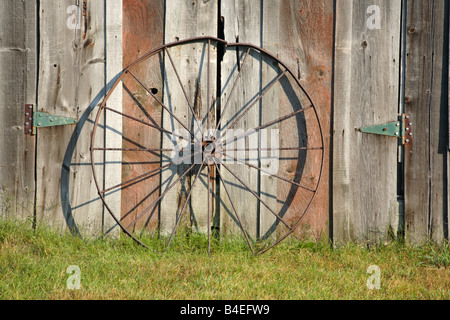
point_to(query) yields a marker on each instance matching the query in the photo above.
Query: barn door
(390, 121)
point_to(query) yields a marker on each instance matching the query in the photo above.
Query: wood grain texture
(306, 45)
(242, 23)
(72, 81)
(366, 93)
(141, 17)
(290, 30)
(269, 111)
(18, 65)
(185, 19)
(426, 102)
(114, 122)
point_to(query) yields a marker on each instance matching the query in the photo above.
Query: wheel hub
(212, 151)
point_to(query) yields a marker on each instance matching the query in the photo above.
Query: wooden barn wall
(364, 62)
(272, 25)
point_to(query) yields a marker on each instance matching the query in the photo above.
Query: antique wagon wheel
(246, 159)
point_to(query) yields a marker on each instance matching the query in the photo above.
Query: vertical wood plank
(71, 83)
(140, 16)
(185, 19)
(242, 23)
(17, 87)
(366, 93)
(269, 111)
(113, 121)
(341, 124)
(424, 91)
(306, 46)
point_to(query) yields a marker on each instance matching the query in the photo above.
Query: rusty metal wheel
(212, 137)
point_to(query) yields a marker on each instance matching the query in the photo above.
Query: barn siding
(72, 79)
(426, 190)
(18, 55)
(357, 84)
(366, 92)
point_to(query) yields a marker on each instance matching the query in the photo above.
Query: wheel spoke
(208, 221)
(271, 123)
(184, 207)
(146, 175)
(145, 123)
(258, 197)
(144, 199)
(270, 174)
(161, 196)
(185, 94)
(276, 149)
(258, 98)
(234, 208)
(132, 149)
(159, 101)
(232, 90)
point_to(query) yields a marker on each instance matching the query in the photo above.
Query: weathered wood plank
(113, 121)
(306, 46)
(242, 23)
(341, 126)
(424, 91)
(187, 19)
(269, 111)
(140, 17)
(366, 93)
(17, 87)
(71, 83)
(275, 28)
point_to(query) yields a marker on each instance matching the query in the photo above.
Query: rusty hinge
(401, 129)
(35, 119)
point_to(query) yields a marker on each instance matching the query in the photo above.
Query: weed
(435, 255)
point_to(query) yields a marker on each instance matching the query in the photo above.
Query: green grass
(33, 265)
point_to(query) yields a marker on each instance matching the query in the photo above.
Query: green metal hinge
(401, 129)
(35, 119)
